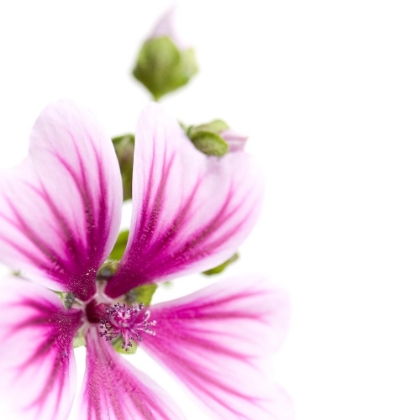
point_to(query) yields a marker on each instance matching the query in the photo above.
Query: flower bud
(164, 63)
(216, 138)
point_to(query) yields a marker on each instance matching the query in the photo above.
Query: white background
(329, 93)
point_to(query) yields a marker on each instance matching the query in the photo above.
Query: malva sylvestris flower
(60, 212)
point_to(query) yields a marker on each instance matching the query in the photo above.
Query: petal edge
(190, 211)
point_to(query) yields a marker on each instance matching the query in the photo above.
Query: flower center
(129, 322)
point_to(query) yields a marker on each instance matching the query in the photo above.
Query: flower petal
(167, 26)
(37, 368)
(216, 340)
(190, 211)
(115, 390)
(60, 209)
(236, 141)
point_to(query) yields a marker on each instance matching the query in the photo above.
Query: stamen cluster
(129, 322)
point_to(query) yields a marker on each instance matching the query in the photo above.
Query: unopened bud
(216, 138)
(164, 63)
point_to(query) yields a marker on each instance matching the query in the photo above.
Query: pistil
(128, 321)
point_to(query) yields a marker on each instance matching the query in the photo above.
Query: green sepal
(221, 267)
(184, 127)
(117, 344)
(162, 68)
(206, 138)
(107, 270)
(209, 143)
(141, 294)
(67, 299)
(124, 149)
(79, 340)
(215, 126)
(120, 245)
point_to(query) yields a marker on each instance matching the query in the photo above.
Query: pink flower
(60, 213)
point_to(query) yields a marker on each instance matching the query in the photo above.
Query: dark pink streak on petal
(61, 208)
(154, 260)
(190, 212)
(158, 248)
(74, 245)
(117, 391)
(151, 208)
(94, 228)
(215, 341)
(62, 326)
(37, 353)
(36, 238)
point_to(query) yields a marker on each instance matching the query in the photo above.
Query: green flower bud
(164, 63)
(215, 138)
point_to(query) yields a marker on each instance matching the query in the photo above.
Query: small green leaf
(141, 294)
(221, 267)
(117, 344)
(215, 126)
(209, 143)
(120, 245)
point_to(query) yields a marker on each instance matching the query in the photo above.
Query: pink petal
(190, 212)
(167, 26)
(115, 390)
(216, 341)
(37, 368)
(60, 209)
(236, 141)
